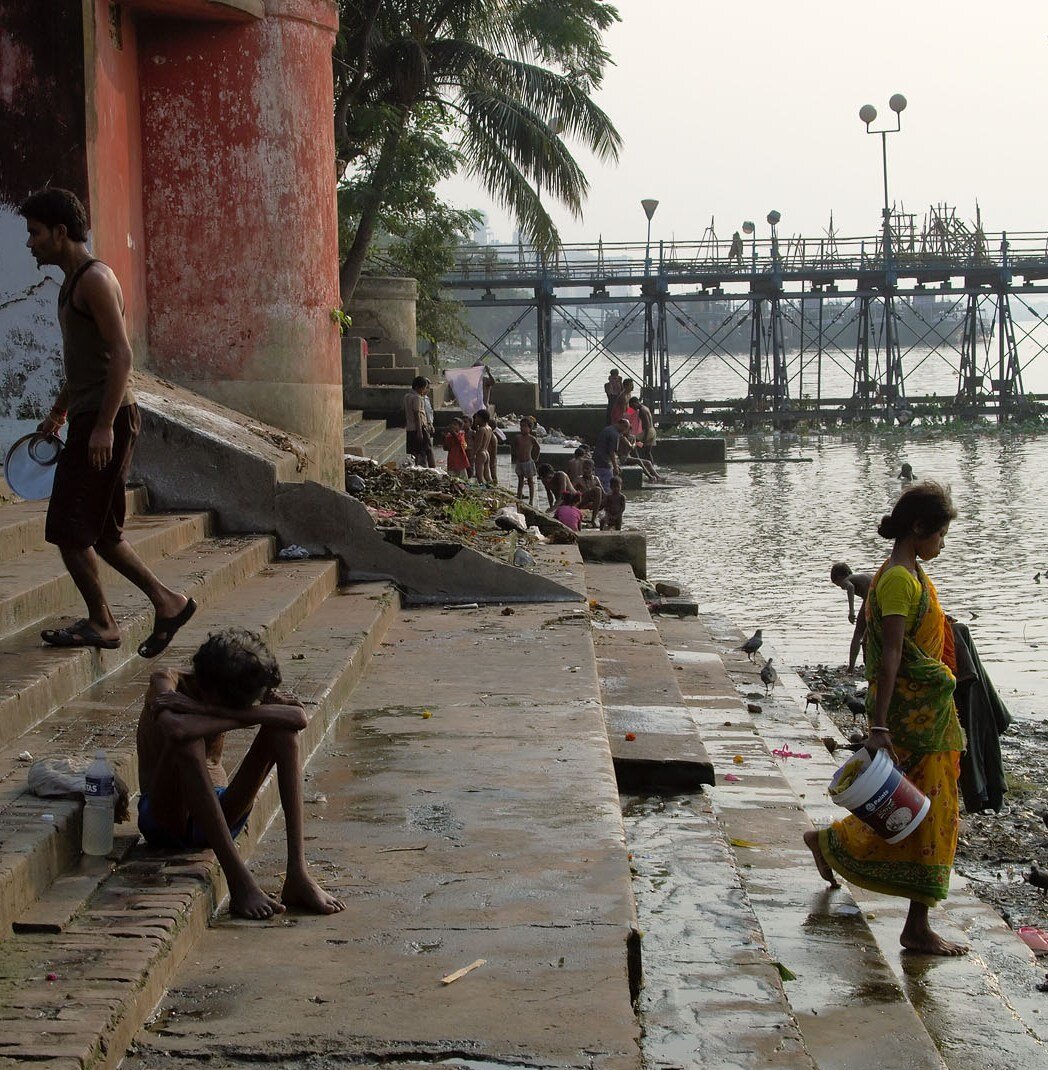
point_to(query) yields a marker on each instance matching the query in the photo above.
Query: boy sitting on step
(186, 803)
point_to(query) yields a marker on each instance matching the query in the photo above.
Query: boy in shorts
(525, 454)
(186, 804)
(614, 507)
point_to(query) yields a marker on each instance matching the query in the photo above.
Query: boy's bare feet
(304, 893)
(811, 839)
(252, 903)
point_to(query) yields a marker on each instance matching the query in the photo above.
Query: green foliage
(417, 233)
(468, 512)
(497, 83)
(341, 320)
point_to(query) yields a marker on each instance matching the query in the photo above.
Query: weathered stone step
(489, 830)
(351, 417)
(114, 959)
(274, 602)
(654, 739)
(35, 678)
(22, 524)
(388, 446)
(357, 437)
(982, 1010)
(844, 992)
(37, 585)
(712, 996)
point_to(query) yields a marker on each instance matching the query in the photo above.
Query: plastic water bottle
(99, 804)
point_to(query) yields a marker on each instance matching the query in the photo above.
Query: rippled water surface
(755, 540)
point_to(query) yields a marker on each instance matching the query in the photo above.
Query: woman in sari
(911, 713)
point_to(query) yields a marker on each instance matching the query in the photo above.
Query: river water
(754, 540)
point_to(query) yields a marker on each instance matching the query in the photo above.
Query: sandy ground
(996, 851)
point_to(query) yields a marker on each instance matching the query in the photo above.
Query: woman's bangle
(880, 728)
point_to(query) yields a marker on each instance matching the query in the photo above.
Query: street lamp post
(868, 113)
(894, 388)
(751, 231)
(649, 205)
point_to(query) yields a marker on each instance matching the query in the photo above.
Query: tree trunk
(349, 272)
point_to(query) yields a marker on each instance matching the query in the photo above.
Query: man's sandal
(164, 630)
(82, 633)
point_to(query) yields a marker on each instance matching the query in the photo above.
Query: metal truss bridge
(779, 313)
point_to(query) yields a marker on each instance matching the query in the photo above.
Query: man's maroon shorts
(87, 505)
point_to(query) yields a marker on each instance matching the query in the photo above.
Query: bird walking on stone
(753, 644)
(1038, 878)
(813, 698)
(856, 705)
(768, 676)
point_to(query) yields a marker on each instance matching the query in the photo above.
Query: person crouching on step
(186, 803)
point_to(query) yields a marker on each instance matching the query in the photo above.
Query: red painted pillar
(238, 207)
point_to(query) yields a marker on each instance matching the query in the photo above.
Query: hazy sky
(730, 110)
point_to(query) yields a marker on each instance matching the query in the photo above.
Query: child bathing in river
(853, 583)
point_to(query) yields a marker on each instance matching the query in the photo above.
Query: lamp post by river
(868, 113)
(751, 232)
(893, 387)
(649, 205)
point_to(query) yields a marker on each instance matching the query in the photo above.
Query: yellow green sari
(928, 739)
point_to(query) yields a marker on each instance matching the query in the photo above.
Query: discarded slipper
(164, 630)
(1035, 939)
(82, 633)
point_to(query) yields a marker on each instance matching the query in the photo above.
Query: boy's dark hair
(237, 667)
(55, 207)
(545, 470)
(923, 508)
(632, 384)
(581, 451)
(571, 498)
(418, 382)
(615, 480)
(840, 571)
(527, 421)
(482, 416)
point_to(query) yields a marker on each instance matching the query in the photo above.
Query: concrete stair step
(381, 360)
(37, 678)
(119, 951)
(654, 740)
(273, 602)
(489, 830)
(844, 992)
(393, 376)
(980, 1010)
(388, 446)
(358, 436)
(37, 585)
(22, 524)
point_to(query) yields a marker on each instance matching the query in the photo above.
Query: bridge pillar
(544, 340)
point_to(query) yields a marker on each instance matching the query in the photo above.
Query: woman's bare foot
(917, 935)
(304, 893)
(811, 840)
(252, 903)
(925, 941)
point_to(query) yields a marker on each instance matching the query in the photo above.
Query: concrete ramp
(195, 454)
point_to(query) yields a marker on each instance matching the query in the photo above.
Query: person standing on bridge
(85, 516)
(910, 665)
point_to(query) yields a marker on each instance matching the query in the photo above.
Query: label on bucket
(892, 810)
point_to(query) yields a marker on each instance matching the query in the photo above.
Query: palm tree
(485, 67)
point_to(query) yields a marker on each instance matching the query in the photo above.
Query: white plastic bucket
(882, 797)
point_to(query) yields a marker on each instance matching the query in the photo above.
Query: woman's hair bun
(886, 528)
